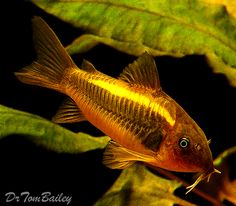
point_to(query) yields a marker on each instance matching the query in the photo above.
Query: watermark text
(44, 197)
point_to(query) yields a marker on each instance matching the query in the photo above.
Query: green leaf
(221, 187)
(46, 133)
(230, 5)
(138, 186)
(228, 187)
(161, 27)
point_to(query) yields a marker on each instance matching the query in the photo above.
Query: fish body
(144, 123)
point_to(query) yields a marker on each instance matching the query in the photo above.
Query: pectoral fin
(118, 157)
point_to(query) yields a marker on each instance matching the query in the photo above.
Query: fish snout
(203, 158)
(207, 165)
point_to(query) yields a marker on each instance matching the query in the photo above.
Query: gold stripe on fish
(126, 93)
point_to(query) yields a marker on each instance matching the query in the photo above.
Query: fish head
(185, 148)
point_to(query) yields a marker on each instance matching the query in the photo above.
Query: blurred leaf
(161, 27)
(221, 187)
(46, 133)
(138, 186)
(229, 4)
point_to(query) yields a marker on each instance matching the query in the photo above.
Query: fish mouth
(202, 177)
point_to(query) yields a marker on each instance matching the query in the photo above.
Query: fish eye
(184, 142)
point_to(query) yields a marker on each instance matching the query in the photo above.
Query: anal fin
(118, 157)
(68, 113)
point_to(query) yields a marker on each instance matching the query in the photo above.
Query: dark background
(207, 97)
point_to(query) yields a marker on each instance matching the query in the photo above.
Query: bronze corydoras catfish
(144, 123)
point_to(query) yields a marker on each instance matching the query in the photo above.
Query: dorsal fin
(87, 66)
(68, 113)
(142, 72)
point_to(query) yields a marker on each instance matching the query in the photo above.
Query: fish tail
(52, 59)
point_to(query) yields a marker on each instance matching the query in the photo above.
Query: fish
(144, 123)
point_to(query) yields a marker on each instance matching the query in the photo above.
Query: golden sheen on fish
(144, 123)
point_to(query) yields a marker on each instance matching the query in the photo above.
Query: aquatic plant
(175, 28)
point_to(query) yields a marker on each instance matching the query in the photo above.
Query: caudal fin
(52, 59)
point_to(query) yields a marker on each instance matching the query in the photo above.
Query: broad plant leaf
(46, 133)
(229, 4)
(138, 186)
(161, 27)
(220, 187)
